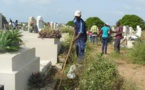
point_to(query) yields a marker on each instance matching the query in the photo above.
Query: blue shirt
(105, 30)
(80, 27)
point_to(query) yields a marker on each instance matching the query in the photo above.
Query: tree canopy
(91, 20)
(132, 20)
(70, 23)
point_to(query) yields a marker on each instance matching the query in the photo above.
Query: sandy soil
(131, 72)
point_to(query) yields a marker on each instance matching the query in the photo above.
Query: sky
(62, 11)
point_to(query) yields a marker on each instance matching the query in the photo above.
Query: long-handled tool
(71, 44)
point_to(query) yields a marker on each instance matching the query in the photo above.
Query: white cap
(77, 13)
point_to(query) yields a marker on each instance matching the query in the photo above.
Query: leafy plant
(91, 20)
(101, 74)
(70, 23)
(15, 36)
(49, 34)
(4, 41)
(136, 54)
(67, 30)
(38, 80)
(10, 40)
(132, 20)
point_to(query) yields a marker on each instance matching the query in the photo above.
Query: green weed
(137, 53)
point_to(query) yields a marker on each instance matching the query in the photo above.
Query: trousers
(117, 45)
(104, 44)
(80, 49)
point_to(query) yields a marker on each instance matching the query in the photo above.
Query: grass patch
(137, 53)
(129, 85)
(100, 74)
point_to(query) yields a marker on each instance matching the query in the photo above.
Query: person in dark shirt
(80, 35)
(118, 37)
(15, 25)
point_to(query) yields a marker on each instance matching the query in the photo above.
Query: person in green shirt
(95, 33)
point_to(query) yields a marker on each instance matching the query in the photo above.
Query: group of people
(80, 37)
(94, 33)
(14, 24)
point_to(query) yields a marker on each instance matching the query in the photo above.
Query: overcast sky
(62, 11)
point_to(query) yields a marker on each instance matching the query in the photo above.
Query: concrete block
(130, 44)
(14, 61)
(46, 48)
(16, 68)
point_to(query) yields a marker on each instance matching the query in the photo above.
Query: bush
(10, 40)
(37, 80)
(49, 34)
(137, 53)
(100, 74)
(67, 30)
(41, 79)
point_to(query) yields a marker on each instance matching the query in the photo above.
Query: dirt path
(131, 72)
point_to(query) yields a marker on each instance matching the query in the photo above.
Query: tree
(91, 20)
(70, 23)
(133, 21)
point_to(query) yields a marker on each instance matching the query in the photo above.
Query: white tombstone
(40, 23)
(131, 30)
(23, 27)
(54, 27)
(47, 48)
(124, 29)
(51, 25)
(138, 32)
(0, 20)
(16, 68)
(57, 26)
(113, 28)
(127, 30)
(31, 19)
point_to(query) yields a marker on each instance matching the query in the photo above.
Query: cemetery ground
(129, 74)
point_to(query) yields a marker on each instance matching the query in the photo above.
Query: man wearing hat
(80, 35)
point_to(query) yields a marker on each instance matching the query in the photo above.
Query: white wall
(16, 68)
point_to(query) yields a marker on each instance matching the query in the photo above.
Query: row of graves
(38, 24)
(129, 35)
(39, 54)
(35, 55)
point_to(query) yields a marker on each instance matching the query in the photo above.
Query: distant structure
(31, 20)
(1, 21)
(40, 23)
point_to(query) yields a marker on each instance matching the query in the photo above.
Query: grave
(47, 48)
(138, 33)
(0, 21)
(31, 19)
(51, 25)
(23, 27)
(129, 35)
(40, 23)
(16, 68)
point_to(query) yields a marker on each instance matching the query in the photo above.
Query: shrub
(10, 40)
(39, 80)
(137, 53)
(47, 32)
(50, 34)
(67, 30)
(100, 74)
